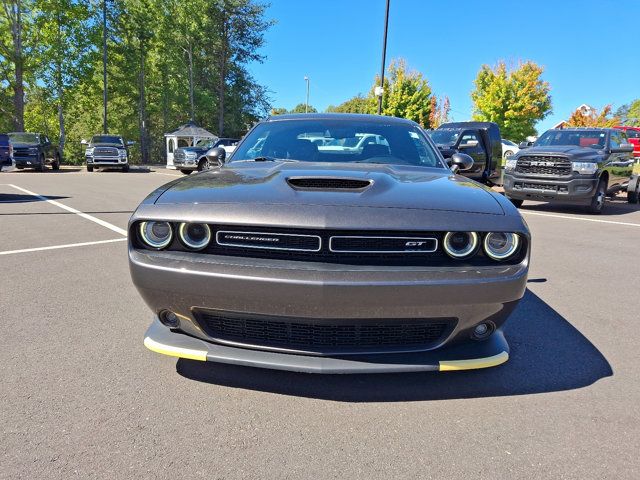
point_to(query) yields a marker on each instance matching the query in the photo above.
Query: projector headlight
(584, 168)
(510, 165)
(501, 246)
(196, 236)
(460, 244)
(156, 235)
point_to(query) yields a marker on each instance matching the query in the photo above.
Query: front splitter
(469, 356)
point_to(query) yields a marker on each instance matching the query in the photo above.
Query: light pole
(380, 91)
(104, 65)
(306, 105)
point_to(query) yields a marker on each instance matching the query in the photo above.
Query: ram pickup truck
(579, 166)
(480, 140)
(188, 159)
(6, 151)
(110, 151)
(34, 150)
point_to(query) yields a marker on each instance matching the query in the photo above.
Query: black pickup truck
(34, 150)
(188, 159)
(579, 166)
(480, 140)
(6, 151)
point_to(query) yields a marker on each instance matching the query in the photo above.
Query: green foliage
(629, 114)
(151, 45)
(301, 108)
(514, 99)
(407, 94)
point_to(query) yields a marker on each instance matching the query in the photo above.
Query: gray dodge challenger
(331, 243)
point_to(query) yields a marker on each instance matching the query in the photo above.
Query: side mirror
(623, 148)
(460, 162)
(84, 142)
(522, 145)
(130, 143)
(468, 144)
(216, 156)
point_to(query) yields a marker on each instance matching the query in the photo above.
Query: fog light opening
(169, 319)
(483, 330)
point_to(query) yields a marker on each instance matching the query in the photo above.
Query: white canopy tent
(185, 136)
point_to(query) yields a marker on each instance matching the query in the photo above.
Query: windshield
(445, 136)
(342, 141)
(25, 137)
(576, 138)
(205, 143)
(110, 139)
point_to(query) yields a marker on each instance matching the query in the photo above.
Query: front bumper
(27, 162)
(107, 161)
(182, 282)
(470, 356)
(189, 164)
(574, 190)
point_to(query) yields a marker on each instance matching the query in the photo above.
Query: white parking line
(553, 215)
(55, 247)
(108, 225)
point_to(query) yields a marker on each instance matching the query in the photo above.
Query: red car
(633, 134)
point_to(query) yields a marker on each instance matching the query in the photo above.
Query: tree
(515, 99)
(302, 108)
(439, 111)
(357, 104)
(629, 114)
(279, 111)
(592, 118)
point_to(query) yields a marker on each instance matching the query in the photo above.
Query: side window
(468, 136)
(614, 140)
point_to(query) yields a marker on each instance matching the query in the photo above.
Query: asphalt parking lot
(81, 396)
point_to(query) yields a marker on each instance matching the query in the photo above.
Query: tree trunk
(142, 107)
(18, 91)
(60, 87)
(191, 104)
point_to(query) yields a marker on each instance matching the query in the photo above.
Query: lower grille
(325, 336)
(544, 165)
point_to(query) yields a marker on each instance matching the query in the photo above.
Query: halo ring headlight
(156, 235)
(501, 245)
(460, 244)
(195, 236)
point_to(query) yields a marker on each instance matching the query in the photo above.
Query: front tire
(204, 164)
(125, 168)
(186, 172)
(56, 164)
(634, 196)
(516, 202)
(597, 201)
(42, 166)
(89, 168)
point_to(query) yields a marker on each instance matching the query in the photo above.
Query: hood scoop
(329, 183)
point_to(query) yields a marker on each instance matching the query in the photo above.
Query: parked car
(573, 165)
(6, 152)
(188, 159)
(633, 135)
(109, 151)
(34, 150)
(480, 140)
(289, 257)
(508, 148)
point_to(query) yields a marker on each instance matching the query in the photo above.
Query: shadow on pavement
(617, 206)
(547, 355)
(21, 198)
(132, 169)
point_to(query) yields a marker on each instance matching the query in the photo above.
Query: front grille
(179, 155)
(324, 336)
(22, 152)
(543, 165)
(320, 183)
(105, 152)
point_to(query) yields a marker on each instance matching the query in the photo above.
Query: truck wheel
(89, 168)
(125, 168)
(56, 164)
(633, 196)
(597, 201)
(204, 165)
(516, 202)
(186, 172)
(42, 166)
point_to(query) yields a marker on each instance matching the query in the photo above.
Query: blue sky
(590, 49)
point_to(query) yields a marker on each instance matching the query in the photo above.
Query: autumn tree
(629, 114)
(516, 99)
(439, 111)
(591, 117)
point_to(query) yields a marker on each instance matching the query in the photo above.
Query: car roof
(581, 129)
(627, 127)
(107, 135)
(28, 133)
(355, 117)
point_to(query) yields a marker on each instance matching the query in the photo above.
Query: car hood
(192, 149)
(24, 145)
(390, 187)
(117, 145)
(568, 150)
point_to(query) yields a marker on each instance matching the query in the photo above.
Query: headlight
(156, 234)
(122, 153)
(510, 165)
(585, 168)
(89, 151)
(500, 246)
(460, 244)
(196, 236)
